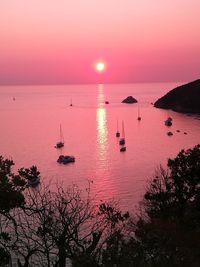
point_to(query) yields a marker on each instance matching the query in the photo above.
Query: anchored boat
(61, 142)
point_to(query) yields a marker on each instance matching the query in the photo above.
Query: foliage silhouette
(170, 234)
(45, 228)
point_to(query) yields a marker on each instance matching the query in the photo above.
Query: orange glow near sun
(100, 66)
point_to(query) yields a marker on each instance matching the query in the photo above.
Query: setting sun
(100, 66)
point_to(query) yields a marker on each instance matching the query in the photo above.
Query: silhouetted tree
(12, 200)
(170, 233)
(11, 187)
(47, 227)
(67, 225)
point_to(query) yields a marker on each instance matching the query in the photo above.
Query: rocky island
(129, 100)
(184, 98)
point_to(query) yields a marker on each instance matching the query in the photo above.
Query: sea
(30, 119)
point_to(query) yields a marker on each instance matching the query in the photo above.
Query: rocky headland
(184, 98)
(129, 100)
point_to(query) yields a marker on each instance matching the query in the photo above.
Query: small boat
(61, 142)
(139, 117)
(117, 133)
(123, 149)
(122, 139)
(106, 102)
(65, 159)
(168, 122)
(59, 145)
(169, 133)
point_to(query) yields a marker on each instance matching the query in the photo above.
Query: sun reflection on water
(101, 126)
(102, 131)
(101, 97)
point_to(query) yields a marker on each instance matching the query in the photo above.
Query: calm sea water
(30, 129)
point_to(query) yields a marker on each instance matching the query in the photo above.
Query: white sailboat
(139, 117)
(122, 139)
(117, 133)
(61, 141)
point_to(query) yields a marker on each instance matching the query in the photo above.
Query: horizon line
(88, 83)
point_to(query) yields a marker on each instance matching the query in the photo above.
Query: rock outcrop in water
(184, 98)
(129, 100)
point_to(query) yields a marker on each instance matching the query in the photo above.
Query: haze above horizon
(44, 42)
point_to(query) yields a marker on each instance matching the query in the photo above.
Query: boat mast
(139, 117)
(117, 133)
(122, 139)
(123, 132)
(61, 135)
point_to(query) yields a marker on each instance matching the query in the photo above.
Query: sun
(100, 66)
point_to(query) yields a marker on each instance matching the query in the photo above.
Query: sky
(58, 42)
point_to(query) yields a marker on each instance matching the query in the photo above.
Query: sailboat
(123, 149)
(117, 133)
(61, 142)
(139, 117)
(71, 103)
(168, 121)
(122, 139)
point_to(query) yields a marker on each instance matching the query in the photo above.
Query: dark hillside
(185, 98)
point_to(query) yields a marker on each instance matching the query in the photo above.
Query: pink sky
(48, 41)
